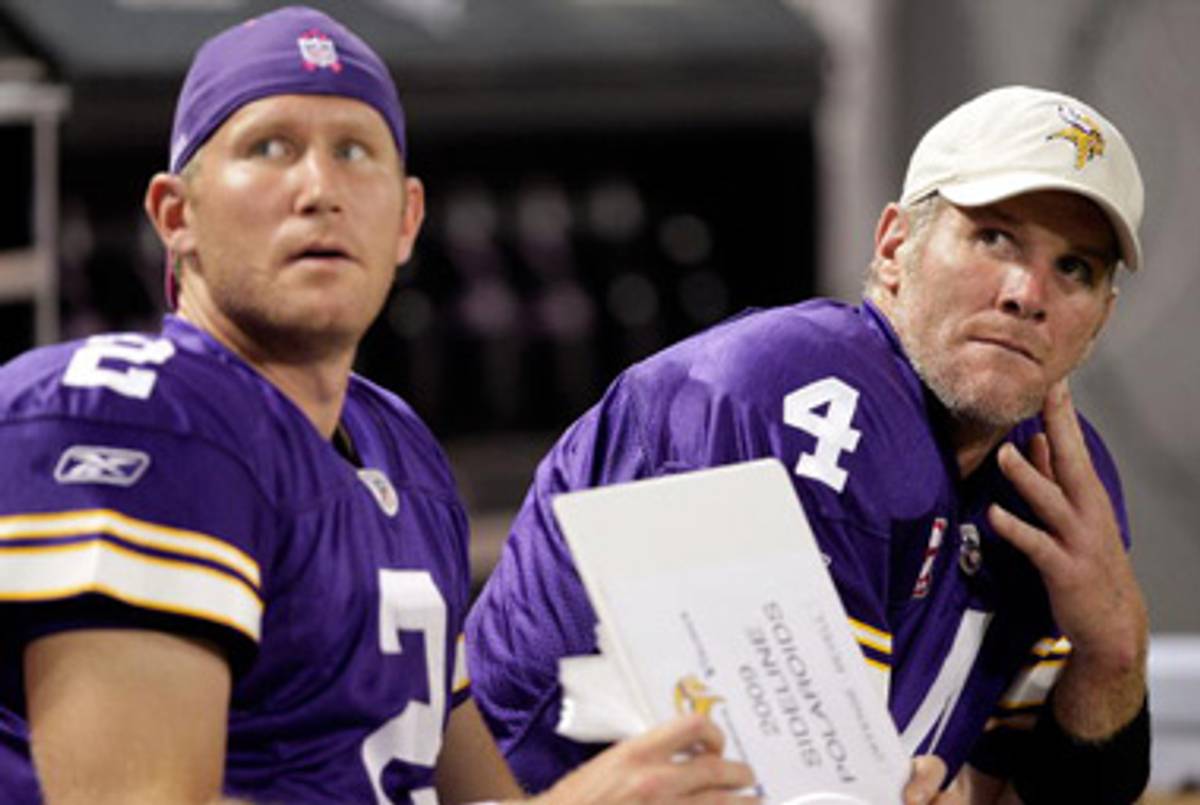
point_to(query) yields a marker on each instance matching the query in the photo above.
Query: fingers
(698, 737)
(1068, 451)
(723, 798)
(682, 758)
(951, 798)
(693, 734)
(1057, 480)
(705, 778)
(679, 761)
(1035, 480)
(1039, 455)
(711, 773)
(1037, 488)
(1040, 548)
(928, 772)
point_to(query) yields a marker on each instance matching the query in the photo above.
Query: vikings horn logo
(693, 696)
(1082, 132)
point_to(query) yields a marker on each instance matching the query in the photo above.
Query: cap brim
(990, 189)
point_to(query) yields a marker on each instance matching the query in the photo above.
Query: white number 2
(831, 430)
(85, 371)
(409, 600)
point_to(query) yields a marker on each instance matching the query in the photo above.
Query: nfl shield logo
(970, 555)
(381, 489)
(318, 51)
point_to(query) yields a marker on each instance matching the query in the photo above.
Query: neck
(317, 390)
(971, 439)
(314, 380)
(972, 442)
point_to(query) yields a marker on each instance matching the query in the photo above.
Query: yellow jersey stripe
(870, 636)
(877, 665)
(166, 585)
(1050, 645)
(138, 555)
(139, 532)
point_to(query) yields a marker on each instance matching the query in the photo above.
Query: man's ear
(1110, 304)
(165, 205)
(891, 233)
(412, 216)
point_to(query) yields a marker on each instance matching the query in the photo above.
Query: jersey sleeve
(998, 749)
(534, 608)
(113, 524)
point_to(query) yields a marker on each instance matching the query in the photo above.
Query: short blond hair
(920, 214)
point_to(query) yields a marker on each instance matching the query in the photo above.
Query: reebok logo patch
(91, 464)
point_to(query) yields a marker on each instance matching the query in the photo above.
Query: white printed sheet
(715, 597)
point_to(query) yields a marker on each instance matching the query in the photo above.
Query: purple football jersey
(953, 622)
(160, 482)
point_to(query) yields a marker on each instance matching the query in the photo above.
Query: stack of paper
(713, 596)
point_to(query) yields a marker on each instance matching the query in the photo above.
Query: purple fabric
(292, 51)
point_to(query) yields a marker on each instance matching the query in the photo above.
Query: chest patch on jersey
(93, 464)
(970, 553)
(382, 490)
(925, 577)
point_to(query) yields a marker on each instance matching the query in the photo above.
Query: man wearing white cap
(973, 523)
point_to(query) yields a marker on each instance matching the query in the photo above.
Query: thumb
(928, 772)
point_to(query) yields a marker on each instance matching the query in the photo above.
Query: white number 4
(85, 370)
(831, 429)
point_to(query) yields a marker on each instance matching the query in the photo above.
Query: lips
(320, 251)
(1010, 344)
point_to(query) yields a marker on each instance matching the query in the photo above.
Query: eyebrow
(1106, 256)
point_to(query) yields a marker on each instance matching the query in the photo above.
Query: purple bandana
(294, 50)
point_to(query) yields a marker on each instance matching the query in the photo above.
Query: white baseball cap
(1015, 140)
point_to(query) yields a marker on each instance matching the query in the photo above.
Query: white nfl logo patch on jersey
(92, 464)
(382, 490)
(970, 554)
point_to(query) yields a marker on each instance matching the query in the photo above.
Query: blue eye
(352, 151)
(270, 148)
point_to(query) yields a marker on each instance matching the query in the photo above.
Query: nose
(319, 189)
(1023, 293)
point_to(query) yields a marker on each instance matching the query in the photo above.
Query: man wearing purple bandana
(229, 567)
